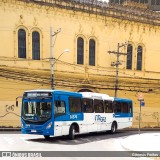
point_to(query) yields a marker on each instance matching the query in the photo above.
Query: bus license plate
(33, 131)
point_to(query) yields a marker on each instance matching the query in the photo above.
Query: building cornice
(123, 12)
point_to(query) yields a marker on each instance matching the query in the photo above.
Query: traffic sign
(142, 103)
(140, 97)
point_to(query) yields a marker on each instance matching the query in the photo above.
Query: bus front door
(60, 125)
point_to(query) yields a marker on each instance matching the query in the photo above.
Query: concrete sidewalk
(142, 142)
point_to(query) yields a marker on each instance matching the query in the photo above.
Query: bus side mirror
(16, 103)
(17, 100)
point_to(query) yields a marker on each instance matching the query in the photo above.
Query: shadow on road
(84, 138)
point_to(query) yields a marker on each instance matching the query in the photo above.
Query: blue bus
(57, 113)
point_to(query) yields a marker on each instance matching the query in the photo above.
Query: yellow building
(92, 31)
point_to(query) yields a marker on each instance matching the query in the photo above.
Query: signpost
(141, 100)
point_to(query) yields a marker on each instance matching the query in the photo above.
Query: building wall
(18, 75)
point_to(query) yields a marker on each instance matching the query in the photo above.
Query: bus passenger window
(87, 105)
(130, 107)
(108, 106)
(117, 107)
(124, 107)
(59, 107)
(98, 106)
(75, 104)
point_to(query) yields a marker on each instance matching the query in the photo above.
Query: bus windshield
(34, 111)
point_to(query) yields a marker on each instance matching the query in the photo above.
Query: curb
(141, 129)
(10, 129)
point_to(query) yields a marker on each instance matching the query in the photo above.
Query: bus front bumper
(45, 129)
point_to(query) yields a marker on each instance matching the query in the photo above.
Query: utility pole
(117, 63)
(51, 55)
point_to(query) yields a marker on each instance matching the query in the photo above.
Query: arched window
(80, 50)
(92, 47)
(21, 43)
(35, 45)
(139, 58)
(129, 56)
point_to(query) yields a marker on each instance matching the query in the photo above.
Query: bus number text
(73, 117)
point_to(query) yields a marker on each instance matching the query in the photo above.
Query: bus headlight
(49, 125)
(22, 125)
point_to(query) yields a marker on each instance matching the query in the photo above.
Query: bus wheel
(113, 128)
(47, 137)
(72, 132)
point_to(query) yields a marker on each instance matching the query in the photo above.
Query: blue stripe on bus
(70, 117)
(122, 115)
(122, 100)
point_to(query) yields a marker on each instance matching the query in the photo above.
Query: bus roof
(96, 95)
(90, 95)
(79, 94)
(122, 99)
(56, 92)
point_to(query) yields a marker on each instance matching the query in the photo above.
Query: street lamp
(65, 51)
(51, 54)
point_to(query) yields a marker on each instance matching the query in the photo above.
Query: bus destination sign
(38, 94)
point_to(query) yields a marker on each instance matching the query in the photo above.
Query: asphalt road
(104, 141)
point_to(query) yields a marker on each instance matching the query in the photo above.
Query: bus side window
(98, 106)
(59, 107)
(117, 107)
(125, 107)
(75, 104)
(87, 105)
(130, 107)
(108, 106)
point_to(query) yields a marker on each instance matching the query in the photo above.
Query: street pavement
(125, 141)
(142, 142)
